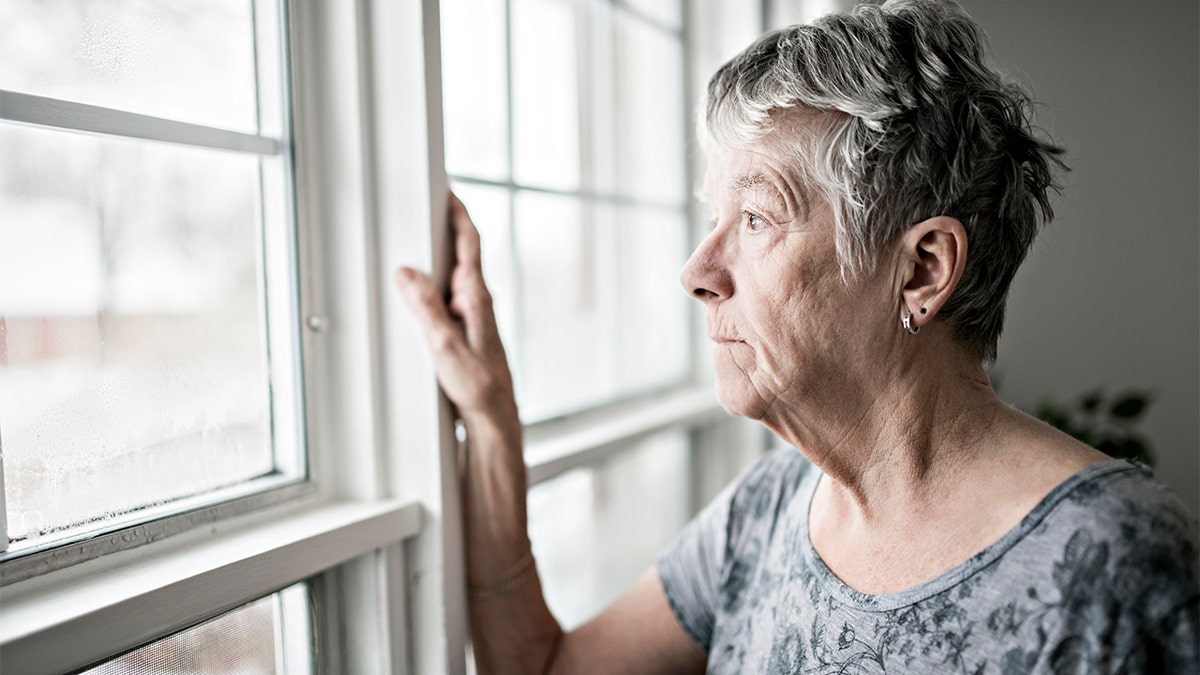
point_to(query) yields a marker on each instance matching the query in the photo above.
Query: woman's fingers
(421, 294)
(474, 379)
(466, 237)
(469, 297)
(461, 333)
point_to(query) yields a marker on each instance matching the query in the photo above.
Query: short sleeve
(691, 569)
(699, 564)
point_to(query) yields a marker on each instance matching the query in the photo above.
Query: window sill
(110, 611)
(557, 446)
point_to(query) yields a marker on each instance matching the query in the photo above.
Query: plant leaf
(1091, 402)
(1053, 415)
(1129, 406)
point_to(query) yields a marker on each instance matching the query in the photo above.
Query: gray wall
(1111, 293)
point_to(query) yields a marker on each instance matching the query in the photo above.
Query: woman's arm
(512, 628)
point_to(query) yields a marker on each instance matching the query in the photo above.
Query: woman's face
(785, 326)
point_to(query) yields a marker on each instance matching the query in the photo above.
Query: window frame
(289, 481)
(368, 535)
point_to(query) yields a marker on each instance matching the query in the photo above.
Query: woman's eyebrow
(753, 182)
(785, 196)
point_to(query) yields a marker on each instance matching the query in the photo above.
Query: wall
(1111, 293)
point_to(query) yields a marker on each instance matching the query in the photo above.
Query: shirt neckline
(962, 571)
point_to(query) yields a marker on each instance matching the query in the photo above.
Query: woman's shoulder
(1111, 555)
(1124, 498)
(1115, 520)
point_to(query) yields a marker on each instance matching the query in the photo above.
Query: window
(182, 376)
(149, 361)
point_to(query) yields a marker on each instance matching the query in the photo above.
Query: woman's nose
(706, 274)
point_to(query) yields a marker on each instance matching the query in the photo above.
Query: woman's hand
(473, 372)
(512, 629)
(462, 334)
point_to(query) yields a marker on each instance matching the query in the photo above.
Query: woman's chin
(741, 400)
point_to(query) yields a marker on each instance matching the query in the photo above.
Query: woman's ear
(934, 252)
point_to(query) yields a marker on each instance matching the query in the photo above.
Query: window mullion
(557, 446)
(409, 205)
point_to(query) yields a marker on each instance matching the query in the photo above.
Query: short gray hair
(911, 124)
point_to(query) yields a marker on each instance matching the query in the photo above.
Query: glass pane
(665, 12)
(590, 531)
(652, 315)
(568, 341)
(246, 641)
(475, 79)
(545, 94)
(133, 368)
(190, 60)
(651, 125)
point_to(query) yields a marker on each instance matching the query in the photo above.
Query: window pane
(133, 366)
(474, 58)
(545, 94)
(602, 314)
(666, 12)
(567, 337)
(652, 315)
(249, 640)
(190, 60)
(590, 533)
(651, 128)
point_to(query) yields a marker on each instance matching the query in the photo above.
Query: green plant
(1103, 422)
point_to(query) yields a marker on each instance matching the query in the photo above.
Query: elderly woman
(874, 187)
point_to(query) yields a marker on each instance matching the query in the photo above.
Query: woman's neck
(891, 437)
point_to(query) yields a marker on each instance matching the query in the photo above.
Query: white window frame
(377, 532)
(371, 531)
(81, 543)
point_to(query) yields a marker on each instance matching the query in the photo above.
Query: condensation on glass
(575, 113)
(187, 60)
(270, 636)
(136, 362)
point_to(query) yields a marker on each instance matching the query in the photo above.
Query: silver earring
(908, 327)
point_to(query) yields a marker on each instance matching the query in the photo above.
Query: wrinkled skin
(787, 329)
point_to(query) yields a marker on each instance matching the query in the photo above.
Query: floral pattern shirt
(1100, 577)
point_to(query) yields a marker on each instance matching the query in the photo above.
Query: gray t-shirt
(1100, 577)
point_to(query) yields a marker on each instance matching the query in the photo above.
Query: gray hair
(910, 124)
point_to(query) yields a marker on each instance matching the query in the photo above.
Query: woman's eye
(756, 222)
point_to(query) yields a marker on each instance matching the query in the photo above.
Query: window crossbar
(557, 446)
(587, 195)
(71, 116)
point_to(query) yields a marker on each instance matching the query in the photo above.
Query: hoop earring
(908, 327)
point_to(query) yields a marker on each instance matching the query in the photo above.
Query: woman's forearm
(494, 486)
(512, 629)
